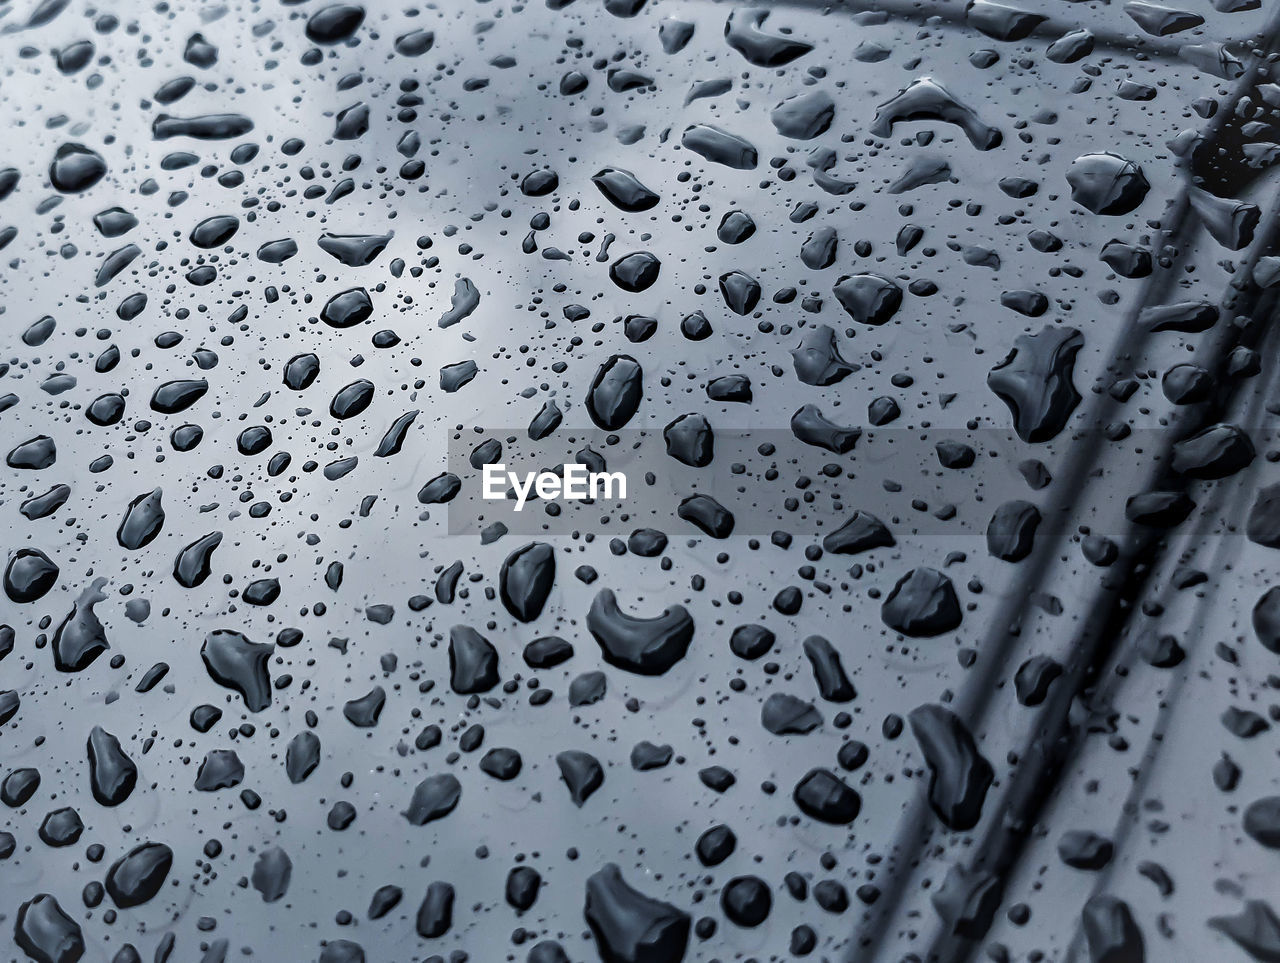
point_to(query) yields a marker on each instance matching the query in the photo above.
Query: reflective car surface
(925, 354)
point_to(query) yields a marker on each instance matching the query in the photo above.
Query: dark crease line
(1111, 610)
(1005, 624)
(1230, 502)
(1127, 821)
(1005, 627)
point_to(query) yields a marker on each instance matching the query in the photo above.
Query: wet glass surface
(934, 341)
